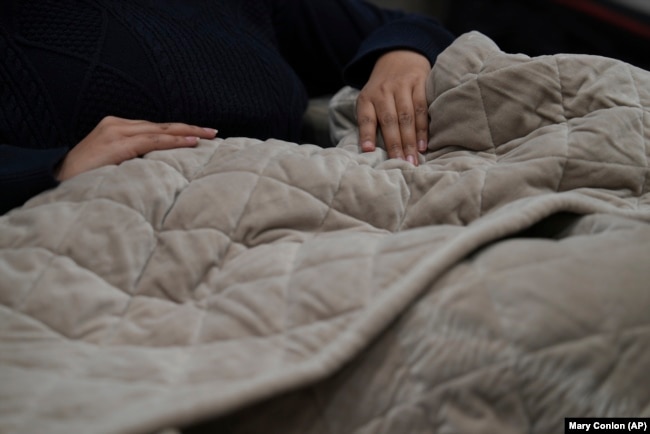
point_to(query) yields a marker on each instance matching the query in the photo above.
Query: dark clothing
(244, 67)
(539, 27)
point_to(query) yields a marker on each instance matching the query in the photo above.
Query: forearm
(25, 173)
(330, 43)
(412, 32)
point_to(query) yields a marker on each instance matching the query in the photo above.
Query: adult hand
(394, 100)
(115, 140)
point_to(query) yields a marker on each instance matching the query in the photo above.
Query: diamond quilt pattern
(254, 285)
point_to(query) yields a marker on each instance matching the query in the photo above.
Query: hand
(115, 140)
(395, 100)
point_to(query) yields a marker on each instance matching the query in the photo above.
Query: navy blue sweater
(244, 67)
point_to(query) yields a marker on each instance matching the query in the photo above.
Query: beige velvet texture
(272, 287)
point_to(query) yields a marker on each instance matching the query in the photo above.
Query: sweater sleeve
(25, 173)
(330, 43)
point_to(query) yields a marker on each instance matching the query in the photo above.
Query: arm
(388, 54)
(27, 172)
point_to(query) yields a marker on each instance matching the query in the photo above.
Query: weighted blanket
(263, 286)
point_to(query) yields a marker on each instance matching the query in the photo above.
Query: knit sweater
(244, 67)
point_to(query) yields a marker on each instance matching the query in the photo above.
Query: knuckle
(405, 119)
(421, 110)
(394, 148)
(129, 153)
(411, 149)
(366, 120)
(108, 126)
(363, 97)
(388, 87)
(155, 139)
(387, 119)
(108, 121)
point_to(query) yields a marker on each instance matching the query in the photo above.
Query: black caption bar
(600, 425)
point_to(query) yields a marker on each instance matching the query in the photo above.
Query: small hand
(395, 100)
(115, 140)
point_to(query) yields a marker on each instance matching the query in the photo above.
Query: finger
(406, 120)
(144, 143)
(170, 128)
(421, 117)
(390, 131)
(367, 121)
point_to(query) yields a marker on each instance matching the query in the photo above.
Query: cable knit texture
(243, 67)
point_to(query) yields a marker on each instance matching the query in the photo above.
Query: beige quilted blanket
(249, 286)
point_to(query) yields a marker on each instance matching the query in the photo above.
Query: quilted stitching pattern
(193, 282)
(469, 356)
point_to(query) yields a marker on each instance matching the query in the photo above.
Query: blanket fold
(245, 277)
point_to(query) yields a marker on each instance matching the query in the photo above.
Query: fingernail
(192, 140)
(211, 131)
(422, 145)
(367, 145)
(411, 159)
